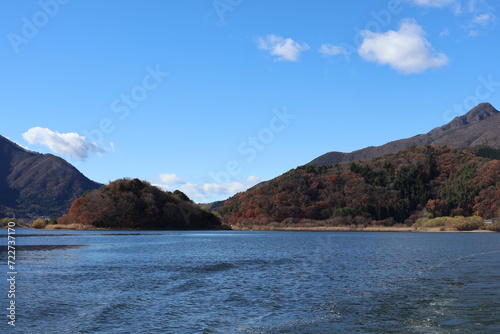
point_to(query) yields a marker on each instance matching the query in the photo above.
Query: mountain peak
(34, 184)
(476, 114)
(485, 109)
(477, 127)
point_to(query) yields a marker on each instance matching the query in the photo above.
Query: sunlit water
(253, 282)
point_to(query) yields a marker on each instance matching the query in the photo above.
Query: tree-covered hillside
(37, 185)
(428, 181)
(137, 204)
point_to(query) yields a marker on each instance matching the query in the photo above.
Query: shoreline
(406, 229)
(358, 229)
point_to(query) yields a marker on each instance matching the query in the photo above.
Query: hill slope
(137, 204)
(34, 184)
(480, 126)
(396, 188)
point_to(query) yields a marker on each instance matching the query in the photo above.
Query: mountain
(480, 126)
(422, 181)
(35, 185)
(136, 204)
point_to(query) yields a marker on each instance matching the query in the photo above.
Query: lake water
(253, 282)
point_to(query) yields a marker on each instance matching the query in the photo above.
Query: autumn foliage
(423, 181)
(137, 204)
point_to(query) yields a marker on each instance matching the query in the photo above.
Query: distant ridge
(35, 185)
(480, 126)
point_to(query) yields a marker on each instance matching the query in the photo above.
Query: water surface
(254, 282)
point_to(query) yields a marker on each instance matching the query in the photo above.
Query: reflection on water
(22, 248)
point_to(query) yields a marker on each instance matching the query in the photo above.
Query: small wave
(204, 268)
(217, 267)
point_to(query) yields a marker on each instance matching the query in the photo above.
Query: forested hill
(480, 126)
(34, 184)
(136, 204)
(396, 188)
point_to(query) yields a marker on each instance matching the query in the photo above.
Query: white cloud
(208, 191)
(332, 50)
(477, 15)
(480, 23)
(253, 180)
(432, 3)
(444, 32)
(170, 179)
(283, 48)
(70, 144)
(484, 19)
(475, 5)
(455, 4)
(405, 50)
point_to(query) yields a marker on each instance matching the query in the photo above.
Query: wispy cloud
(332, 50)
(170, 179)
(445, 32)
(207, 191)
(484, 19)
(283, 48)
(455, 5)
(406, 50)
(69, 144)
(433, 3)
(476, 15)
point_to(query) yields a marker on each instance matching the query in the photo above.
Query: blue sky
(211, 97)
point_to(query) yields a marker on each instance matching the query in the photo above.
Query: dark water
(254, 282)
